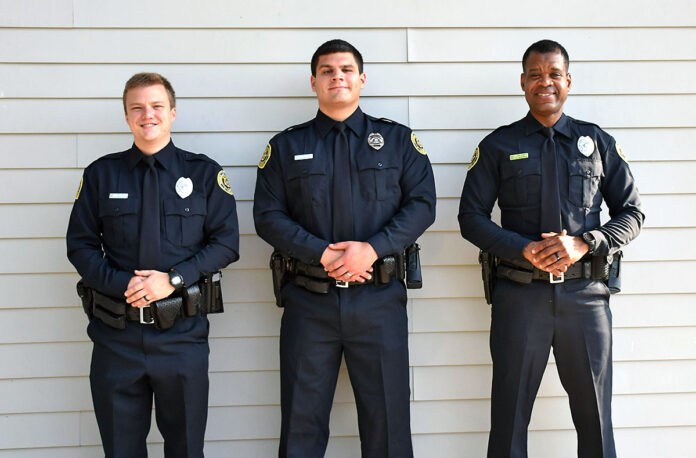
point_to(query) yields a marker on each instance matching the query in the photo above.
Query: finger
(144, 273)
(547, 235)
(338, 246)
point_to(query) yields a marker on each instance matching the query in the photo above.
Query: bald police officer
(341, 197)
(149, 228)
(550, 173)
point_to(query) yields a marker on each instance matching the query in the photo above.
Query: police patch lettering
(417, 144)
(474, 159)
(265, 157)
(79, 188)
(224, 183)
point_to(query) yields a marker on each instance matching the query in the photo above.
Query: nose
(149, 112)
(338, 75)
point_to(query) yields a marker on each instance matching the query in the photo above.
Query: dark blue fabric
(150, 247)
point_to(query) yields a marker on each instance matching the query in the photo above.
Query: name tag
(302, 157)
(118, 195)
(514, 157)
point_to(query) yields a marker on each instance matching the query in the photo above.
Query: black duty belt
(595, 268)
(201, 298)
(315, 279)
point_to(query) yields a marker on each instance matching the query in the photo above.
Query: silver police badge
(375, 140)
(586, 146)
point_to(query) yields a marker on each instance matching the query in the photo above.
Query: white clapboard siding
(385, 79)
(240, 70)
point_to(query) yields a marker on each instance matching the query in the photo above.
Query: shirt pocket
(520, 183)
(307, 188)
(119, 219)
(584, 177)
(378, 177)
(184, 220)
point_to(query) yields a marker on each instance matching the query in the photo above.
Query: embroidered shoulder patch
(474, 159)
(265, 157)
(223, 182)
(621, 153)
(417, 144)
(79, 188)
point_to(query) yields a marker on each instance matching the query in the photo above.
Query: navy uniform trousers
(366, 324)
(527, 320)
(129, 365)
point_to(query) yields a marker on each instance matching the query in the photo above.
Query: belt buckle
(142, 316)
(554, 279)
(342, 284)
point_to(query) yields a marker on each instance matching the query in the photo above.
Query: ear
(173, 114)
(312, 82)
(363, 79)
(522, 81)
(570, 80)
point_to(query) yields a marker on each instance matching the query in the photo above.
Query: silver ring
(146, 299)
(557, 257)
(348, 274)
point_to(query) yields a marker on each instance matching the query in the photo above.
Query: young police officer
(550, 174)
(149, 227)
(341, 197)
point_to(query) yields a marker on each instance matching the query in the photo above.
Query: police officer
(550, 174)
(338, 196)
(148, 227)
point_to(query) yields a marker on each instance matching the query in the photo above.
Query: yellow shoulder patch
(79, 189)
(621, 153)
(417, 144)
(474, 159)
(265, 157)
(223, 182)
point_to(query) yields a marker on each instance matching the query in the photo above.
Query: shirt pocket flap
(185, 207)
(116, 207)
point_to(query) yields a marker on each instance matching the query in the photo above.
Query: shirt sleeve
(84, 242)
(625, 209)
(418, 199)
(271, 214)
(221, 230)
(479, 194)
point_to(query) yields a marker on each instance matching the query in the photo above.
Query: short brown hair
(149, 79)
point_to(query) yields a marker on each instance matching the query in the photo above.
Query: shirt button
(588, 173)
(117, 209)
(379, 164)
(186, 209)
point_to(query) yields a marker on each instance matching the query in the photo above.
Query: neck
(548, 120)
(339, 113)
(151, 148)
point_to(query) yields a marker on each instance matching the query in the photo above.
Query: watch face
(175, 279)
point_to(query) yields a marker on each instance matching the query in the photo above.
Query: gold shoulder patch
(224, 183)
(265, 157)
(474, 159)
(621, 153)
(417, 144)
(79, 189)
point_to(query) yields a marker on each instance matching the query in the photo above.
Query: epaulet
(387, 120)
(111, 156)
(299, 126)
(189, 156)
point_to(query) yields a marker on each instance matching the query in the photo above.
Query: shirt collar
(531, 125)
(354, 122)
(165, 156)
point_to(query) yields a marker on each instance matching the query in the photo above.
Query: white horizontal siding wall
(448, 69)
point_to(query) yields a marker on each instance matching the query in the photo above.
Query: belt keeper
(587, 270)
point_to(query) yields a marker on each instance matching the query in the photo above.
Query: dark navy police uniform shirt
(199, 233)
(393, 189)
(507, 167)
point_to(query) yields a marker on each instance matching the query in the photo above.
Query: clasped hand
(555, 252)
(349, 261)
(147, 286)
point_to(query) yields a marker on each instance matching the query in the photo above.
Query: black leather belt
(525, 273)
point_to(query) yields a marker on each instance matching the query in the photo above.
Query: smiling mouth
(148, 125)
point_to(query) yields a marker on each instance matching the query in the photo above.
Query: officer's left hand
(355, 263)
(148, 286)
(556, 252)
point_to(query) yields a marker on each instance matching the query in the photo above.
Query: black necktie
(149, 254)
(342, 195)
(550, 195)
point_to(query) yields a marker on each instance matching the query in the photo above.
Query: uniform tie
(149, 253)
(342, 195)
(550, 195)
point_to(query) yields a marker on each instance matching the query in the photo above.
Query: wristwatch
(175, 279)
(591, 241)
